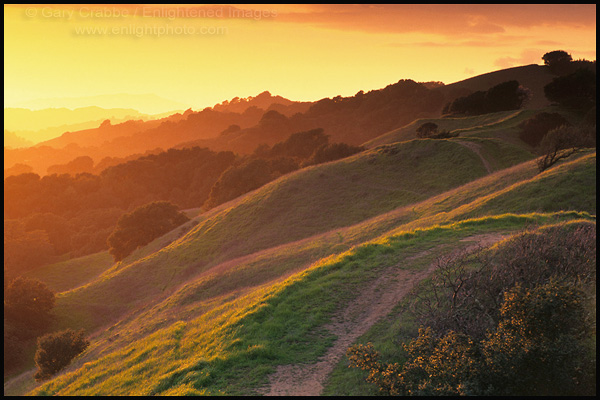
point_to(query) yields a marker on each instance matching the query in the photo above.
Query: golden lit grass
(226, 282)
(218, 290)
(294, 207)
(398, 326)
(232, 348)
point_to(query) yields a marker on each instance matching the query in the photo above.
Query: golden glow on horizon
(300, 52)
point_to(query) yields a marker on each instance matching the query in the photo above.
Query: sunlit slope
(232, 348)
(502, 124)
(296, 206)
(220, 288)
(504, 190)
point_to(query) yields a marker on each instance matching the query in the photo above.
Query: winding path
(372, 303)
(477, 150)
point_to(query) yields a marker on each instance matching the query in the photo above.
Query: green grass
(388, 335)
(232, 349)
(240, 277)
(297, 206)
(212, 301)
(72, 273)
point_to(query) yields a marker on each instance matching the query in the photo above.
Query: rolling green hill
(288, 274)
(295, 207)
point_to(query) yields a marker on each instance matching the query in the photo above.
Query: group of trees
(63, 214)
(27, 314)
(28, 304)
(268, 163)
(574, 90)
(58, 215)
(505, 96)
(515, 320)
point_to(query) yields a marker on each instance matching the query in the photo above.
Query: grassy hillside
(502, 126)
(400, 325)
(232, 348)
(297, 206)
(195, 325)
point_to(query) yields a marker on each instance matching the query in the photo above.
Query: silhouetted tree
(143, 225)
(577, 90)
(56, 350)
(557, 61)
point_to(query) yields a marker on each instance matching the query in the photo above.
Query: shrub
(538, 348)
(466, 289)
(56, 350)
(426, 129)
(537, 335)
(429, 131)
(564, 141)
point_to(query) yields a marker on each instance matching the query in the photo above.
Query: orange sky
(202, 55)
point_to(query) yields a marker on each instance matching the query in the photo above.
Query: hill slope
(240, 285)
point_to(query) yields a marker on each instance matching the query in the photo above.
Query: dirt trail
(371, 304)
(477, 150)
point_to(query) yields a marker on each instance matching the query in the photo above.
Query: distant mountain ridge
(48, 123)
(354, 120)
(148, 103)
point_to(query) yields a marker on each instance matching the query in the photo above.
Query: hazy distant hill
(148, 103)
(138, 136)
(12, 140)
(45, 124)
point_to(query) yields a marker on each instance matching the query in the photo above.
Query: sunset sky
(202, 55)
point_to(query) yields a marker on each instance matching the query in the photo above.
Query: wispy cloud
(452, 20)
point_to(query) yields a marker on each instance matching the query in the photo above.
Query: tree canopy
(143, 225)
